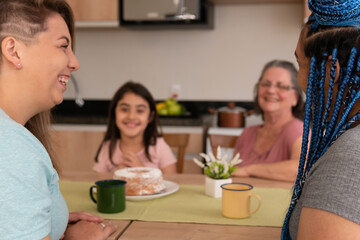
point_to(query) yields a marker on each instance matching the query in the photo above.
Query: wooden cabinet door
(76, 150)
(95, 10)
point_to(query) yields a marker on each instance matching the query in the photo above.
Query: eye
(265, 84)
(124, 109)
(282, 87)
(140, 110)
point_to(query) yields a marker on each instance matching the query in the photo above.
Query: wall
(219, 64)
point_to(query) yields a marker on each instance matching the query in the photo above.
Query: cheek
(146, 118)
(117, 118)
(260, 94)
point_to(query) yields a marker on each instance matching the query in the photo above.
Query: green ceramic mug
(110, 195)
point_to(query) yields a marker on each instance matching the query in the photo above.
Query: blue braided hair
(328, 115)
(336, 13)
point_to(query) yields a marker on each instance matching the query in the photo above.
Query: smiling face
(47, 63)
(132, 115)
(274, 99)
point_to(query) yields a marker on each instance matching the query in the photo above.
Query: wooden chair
(224, 141)
(179, 141)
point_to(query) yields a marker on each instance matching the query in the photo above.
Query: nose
(131, 114)
(73, 62)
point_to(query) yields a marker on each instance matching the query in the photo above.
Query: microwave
(166, 13)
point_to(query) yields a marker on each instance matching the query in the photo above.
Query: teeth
(63, 80)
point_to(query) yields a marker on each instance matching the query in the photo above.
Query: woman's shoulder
(16, 135)
(349, 141)
(296, 123)
(330, 181)
(295, 127)
(250, 130)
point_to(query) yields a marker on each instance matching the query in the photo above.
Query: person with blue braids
(326, 196)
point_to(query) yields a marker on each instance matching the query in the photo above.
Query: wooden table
(162, 230)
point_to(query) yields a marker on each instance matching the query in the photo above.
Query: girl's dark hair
(298, 109)
(112, 133)
(23, 20)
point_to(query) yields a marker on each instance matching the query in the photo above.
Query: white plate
(170, 187)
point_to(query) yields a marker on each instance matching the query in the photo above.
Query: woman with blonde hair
(35, 66)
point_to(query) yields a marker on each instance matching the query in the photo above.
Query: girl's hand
(89, 230)
(131, 160)
(77, 216)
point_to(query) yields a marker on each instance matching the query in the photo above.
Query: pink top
(161, 156)
(279, 151)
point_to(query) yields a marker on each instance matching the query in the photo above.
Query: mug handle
(91, 193)
(259, 202)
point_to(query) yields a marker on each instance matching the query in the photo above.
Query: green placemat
(188, 205)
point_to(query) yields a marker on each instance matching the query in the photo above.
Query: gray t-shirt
(333, 183)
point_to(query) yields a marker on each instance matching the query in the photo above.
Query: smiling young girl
(132, 138)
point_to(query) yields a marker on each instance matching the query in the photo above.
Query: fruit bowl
(170, 108)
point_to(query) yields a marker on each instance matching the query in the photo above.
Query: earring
(18, 66)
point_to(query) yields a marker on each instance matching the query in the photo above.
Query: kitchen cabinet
(95, 13)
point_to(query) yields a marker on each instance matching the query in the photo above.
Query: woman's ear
(9, 50)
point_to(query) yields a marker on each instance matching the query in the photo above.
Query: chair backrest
(179, 141)
(224, 141)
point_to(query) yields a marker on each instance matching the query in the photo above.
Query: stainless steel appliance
(152, 13)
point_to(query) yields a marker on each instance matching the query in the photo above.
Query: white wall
(219, 64)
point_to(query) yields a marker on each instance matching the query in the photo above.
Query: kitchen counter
(94, 112)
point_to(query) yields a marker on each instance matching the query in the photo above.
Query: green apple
(163, 111)
(174, 109)
(170, 101)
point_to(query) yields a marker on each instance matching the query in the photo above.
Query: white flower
(218, 155)
(212, 157)
(226, 167)
(224, 158)
(200, 164)
(236, 160)
(207, 158)
(218, 167)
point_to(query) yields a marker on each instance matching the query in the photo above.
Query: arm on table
(284, 171)
(319, 224)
